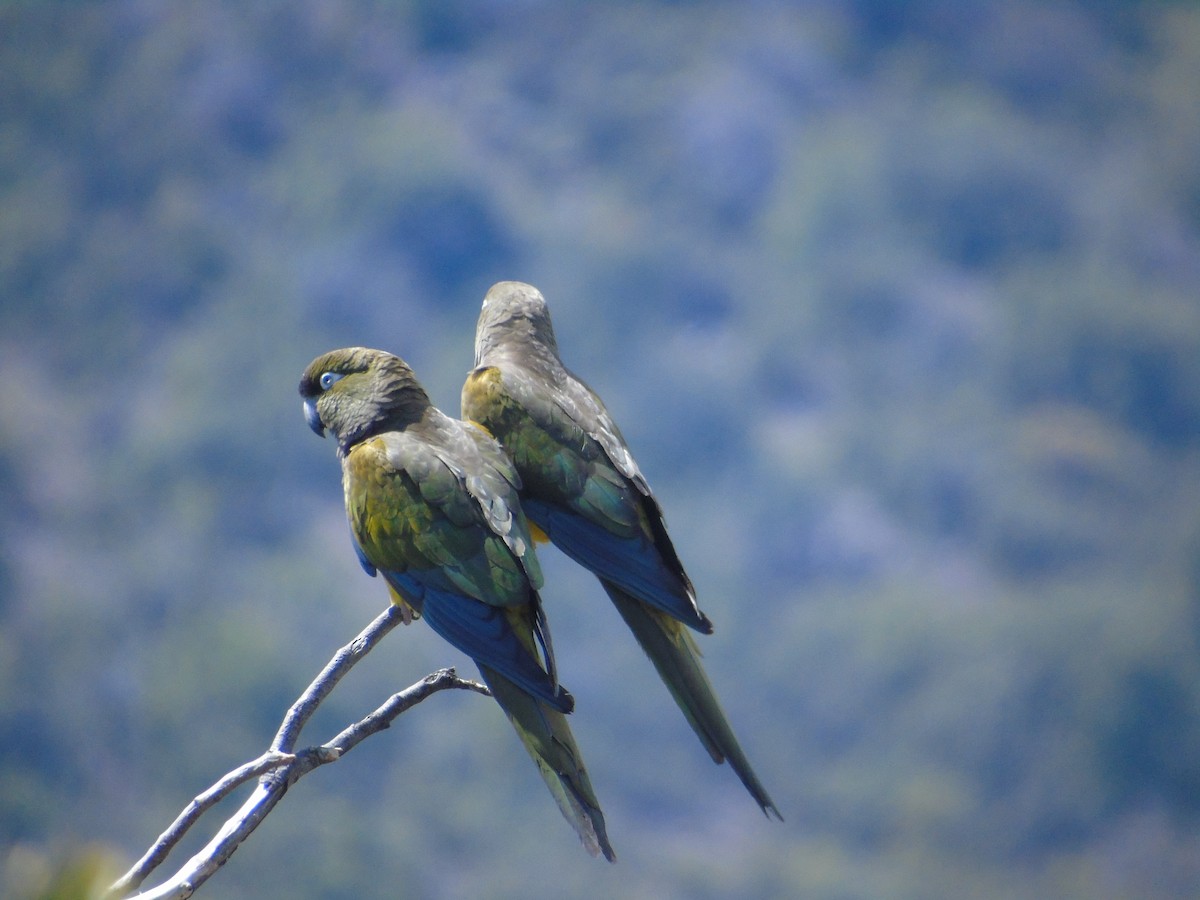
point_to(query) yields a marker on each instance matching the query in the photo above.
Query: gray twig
(279, 768)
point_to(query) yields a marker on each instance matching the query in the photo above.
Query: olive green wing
(584, 490)
(437, 514)
(415, 521)
(581, 485)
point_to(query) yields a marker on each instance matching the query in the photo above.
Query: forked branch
(279, 768)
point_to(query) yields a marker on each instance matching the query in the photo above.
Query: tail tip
(594, 836)
(564, 700)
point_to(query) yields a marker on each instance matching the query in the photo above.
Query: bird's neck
(517, 350)
(397, 417)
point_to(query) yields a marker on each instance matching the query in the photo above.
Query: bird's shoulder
(484, 393)
(423, 501)
(458, 471)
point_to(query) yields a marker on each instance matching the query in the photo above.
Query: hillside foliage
(898, 305)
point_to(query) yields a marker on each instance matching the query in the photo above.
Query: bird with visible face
(434, 510)
(583, 489)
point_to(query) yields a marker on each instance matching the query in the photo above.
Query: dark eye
(329, 379)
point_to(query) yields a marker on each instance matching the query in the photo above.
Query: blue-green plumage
(583, 489)
(434, 510)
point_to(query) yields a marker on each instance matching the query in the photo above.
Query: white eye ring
(329, 379)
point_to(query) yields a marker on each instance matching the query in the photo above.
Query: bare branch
(343, 661)
(279, 768)
(398, 703)
(191, 813)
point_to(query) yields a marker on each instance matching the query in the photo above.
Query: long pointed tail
(545, 733)
(675, 655)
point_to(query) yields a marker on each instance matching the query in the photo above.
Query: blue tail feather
(485, 634)
(634, 564)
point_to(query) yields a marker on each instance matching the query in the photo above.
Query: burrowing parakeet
(583, 489)
(433, 508)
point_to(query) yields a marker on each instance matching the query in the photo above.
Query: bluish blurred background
(897, 304)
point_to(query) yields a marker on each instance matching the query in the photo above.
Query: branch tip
(283, 766)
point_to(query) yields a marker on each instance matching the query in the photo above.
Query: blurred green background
(897, 304)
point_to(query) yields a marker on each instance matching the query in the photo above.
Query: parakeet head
(514, 315)
(357, 392)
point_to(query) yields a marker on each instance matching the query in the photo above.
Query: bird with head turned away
(433, 509)
(582, 488)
